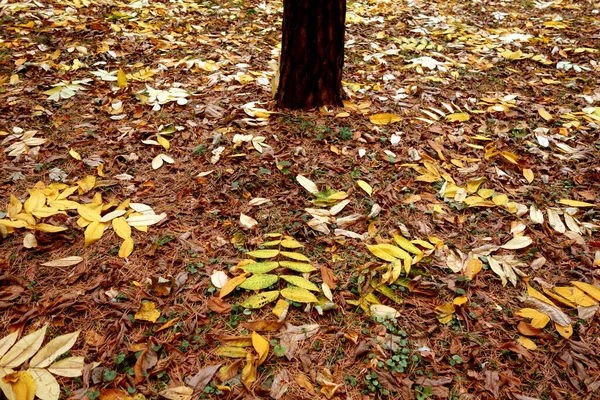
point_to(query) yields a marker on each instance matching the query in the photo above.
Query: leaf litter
(443, 222)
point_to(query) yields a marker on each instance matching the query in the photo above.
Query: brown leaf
(146, 361)
(229, 371)
(328, 277)
(218, 305)
(491, 383)
(199, 381)
(304, 383)
(263, 326)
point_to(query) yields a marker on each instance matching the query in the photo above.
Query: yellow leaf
(460, 117)
(407, 245)
(20, 384)
(147, 312)
(231, 351)
(564, 331)
(384, 119)
(249, 371)
(473, 267)
(527, 343)
(445, 312)
(591, 290)
(75, 154)
(518, 242)
(281, 309)
(459, 301)
(94, 232)
(231, 285)
(261, 345)
(121, 79)
(14, 207)
(86, 184)
(89, 213)
(163, 142)
(500, 200)
(365, 186)
(575, 295)
(537, 295)
(126, 248)
(544, 114)
(13, 224)
(538, 320)
(528, 174)
(35, 201)
(47, 228)
(290, 243)
(575, 203)
(383, 311)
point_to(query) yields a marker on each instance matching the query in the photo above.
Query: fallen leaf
(147, 312)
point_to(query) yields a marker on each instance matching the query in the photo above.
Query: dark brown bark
(312, 54)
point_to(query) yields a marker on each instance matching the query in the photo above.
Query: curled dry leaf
(247, 221)
(307, 184)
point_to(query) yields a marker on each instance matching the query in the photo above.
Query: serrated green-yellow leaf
(389, 293)
(261, 268)
(259, 281)
(295, 256)
(297, 266)
(261, 299)
(263, 253)
(272, 243)
(407, 245)
(300, 282)
(299, 295)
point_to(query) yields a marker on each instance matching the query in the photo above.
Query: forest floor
(468, 146)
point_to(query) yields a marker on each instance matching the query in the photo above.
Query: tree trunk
(312, 54)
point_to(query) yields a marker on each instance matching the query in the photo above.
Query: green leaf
(295, 256)
(300, 282)
(299, 294)
(259, 281)
(261, 268)
(297, 266)
(261, 299)
(263, 253)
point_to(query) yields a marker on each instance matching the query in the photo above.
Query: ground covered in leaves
(439, 232)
